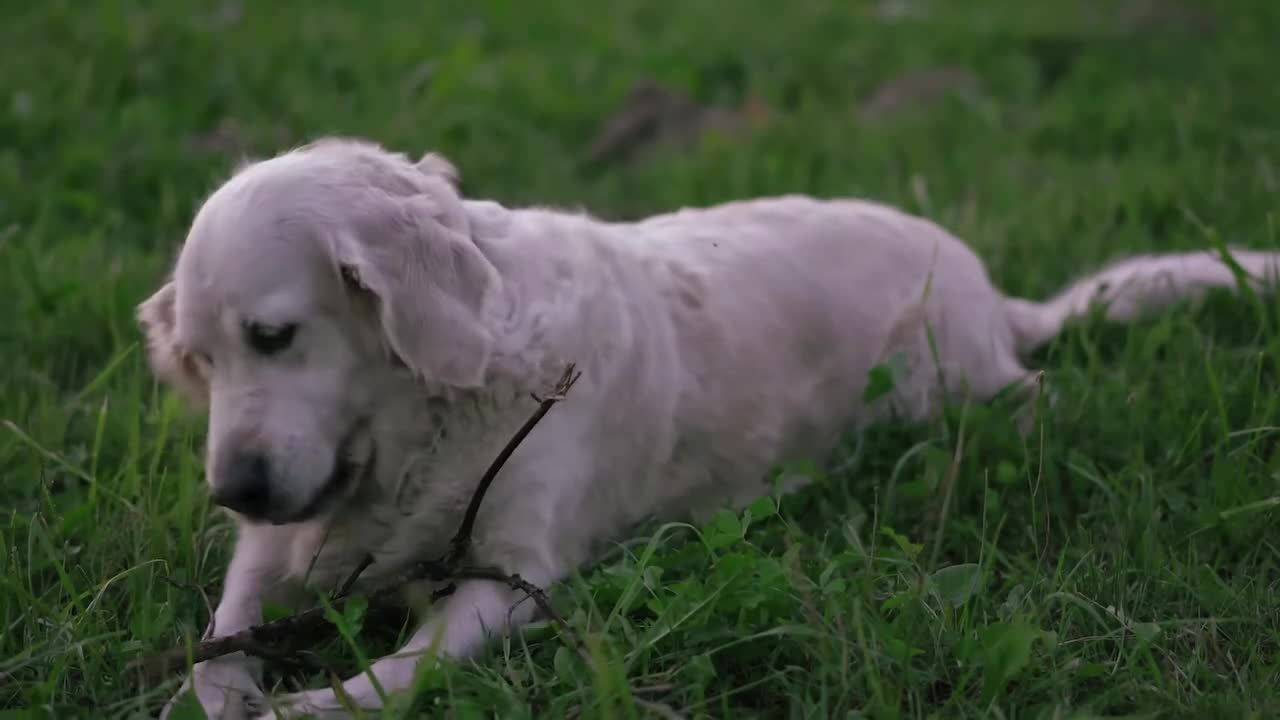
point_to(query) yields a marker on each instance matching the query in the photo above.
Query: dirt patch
(919, 89)
(654, 116)
(1165, 16)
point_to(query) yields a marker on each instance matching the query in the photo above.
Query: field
(1120, 560)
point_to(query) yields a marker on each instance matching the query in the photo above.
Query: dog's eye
(269, 340)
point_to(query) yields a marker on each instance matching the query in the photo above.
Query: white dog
(366, 340)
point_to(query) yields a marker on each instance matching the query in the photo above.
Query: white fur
(713, 343)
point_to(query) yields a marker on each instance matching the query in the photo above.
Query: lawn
(1120, 560)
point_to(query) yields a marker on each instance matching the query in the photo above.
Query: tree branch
(461, 542)
(283, 639)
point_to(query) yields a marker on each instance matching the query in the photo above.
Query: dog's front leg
(464, 621)
(230, 686)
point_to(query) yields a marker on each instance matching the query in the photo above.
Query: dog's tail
(1133, 287)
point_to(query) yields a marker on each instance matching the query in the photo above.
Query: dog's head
(309, 287)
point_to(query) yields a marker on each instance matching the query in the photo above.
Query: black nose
(245, 485)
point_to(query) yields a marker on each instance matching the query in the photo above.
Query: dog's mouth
(353, 464)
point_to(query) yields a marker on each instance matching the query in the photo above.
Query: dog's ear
(432, 286)
(168, 360)
(440, 166)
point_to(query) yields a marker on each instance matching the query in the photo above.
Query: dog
(365, 340)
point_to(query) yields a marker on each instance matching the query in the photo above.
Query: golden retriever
(366, 339)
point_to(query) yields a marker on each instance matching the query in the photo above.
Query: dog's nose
(245, 487)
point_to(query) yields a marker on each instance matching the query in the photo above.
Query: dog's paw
(318, 704)
(325, 704)
(395, 678)
(226, 688)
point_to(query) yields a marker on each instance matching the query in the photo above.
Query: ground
(1122, 559)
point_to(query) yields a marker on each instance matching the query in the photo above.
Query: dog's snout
(246, 485)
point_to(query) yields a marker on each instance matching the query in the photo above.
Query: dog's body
(714, 344)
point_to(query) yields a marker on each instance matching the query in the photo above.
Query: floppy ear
(438, 165)
(433, 286)
(168, 360)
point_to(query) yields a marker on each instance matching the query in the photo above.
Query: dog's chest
(434, 460)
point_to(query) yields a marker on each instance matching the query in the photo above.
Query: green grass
(1121, 560)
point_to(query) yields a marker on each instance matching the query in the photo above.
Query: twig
(345, 588)
(535, 593)
(282, 639)
(461, 542)
(276, 639)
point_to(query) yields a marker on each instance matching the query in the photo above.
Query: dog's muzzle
(248, 486)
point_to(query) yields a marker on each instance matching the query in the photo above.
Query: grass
(1122, 560)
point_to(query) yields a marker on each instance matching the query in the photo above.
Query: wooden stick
(282, 639)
